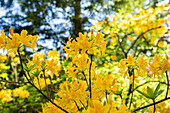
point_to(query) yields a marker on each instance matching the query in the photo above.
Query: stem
(132, 90)
(14, 82)
(139, 38)
(120, 45)
(30, 78)
(154, 106)
(85, 77)
(167, 85)
(83, 104)
(106, 97)
(14, 68)
(146, 83)
(150, 104)
(91, 56)
(39, 83)
(23, 72)
(46, 84)
(77, 105)
(130, 87)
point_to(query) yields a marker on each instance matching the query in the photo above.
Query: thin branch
(39, 83)
(120, 45)
(132, 89)
(46, 84)
(106, 96)
(14, 82)
(83, 104)
(167, 85)
(150, 104)
(85, 77)
(154, 109)
(146, 83)
(23, 72)
(140, 36)
(91, 57)
(77, 105)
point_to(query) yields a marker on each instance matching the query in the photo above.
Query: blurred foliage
(59, 19)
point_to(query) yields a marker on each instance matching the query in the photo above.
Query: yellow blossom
(162, 44)
(130, 38)
(130, 60)
(5, 95)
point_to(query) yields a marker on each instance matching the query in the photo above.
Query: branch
(85, 77)
(120, 45)
(150, 104)
(140, 36)
(14, 82)
(23, 72)
(91, 57)
(46, 84)
(167, 85)
(132, 89)
(146, 83)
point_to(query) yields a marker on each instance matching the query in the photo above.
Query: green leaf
(159, 92)
(36, 73)
(150, 92)
(143, 94)
(121, 91)
(32, 66)
(25, 67)
(157, 89)
(117, 93)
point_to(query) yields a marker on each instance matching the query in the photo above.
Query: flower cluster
(5, 95)
(147, 22)
(13, 41)
(19, 92)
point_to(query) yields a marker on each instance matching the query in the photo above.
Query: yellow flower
(5, 95)
(106, 30)
(95, 106)
(113, 41)
(130, 38)
(42, 82)
(154, 40)
(53, 63)
(19, 92)
(114, 57)
(2, 39)
(121, 110)
(13, 44)
(162, 44)
(130, 60)
(142, 63)
(165, 66)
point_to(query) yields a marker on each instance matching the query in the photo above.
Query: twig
(85, 77)
(150, 104)
(154, 106)
(14, 82)
(91, 57)
(139, 38)
(39, 83)
(132, 89)
(106, 96)
(23, 72)
(46, 84)
(146, 83)
(77, 105)
(83, 104)
(167, 85)
(120, 45)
